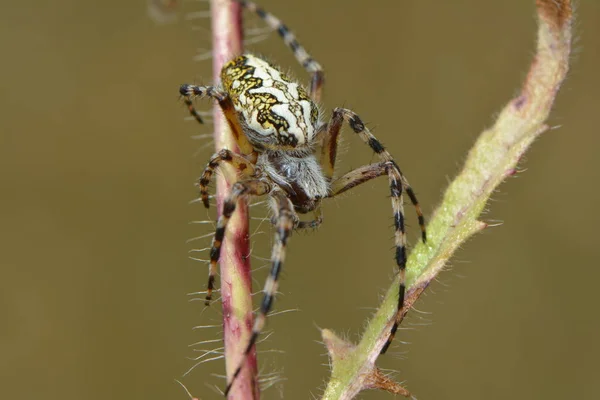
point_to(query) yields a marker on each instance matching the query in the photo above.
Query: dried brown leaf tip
(371, 376)
(555, 12)
(377, 380)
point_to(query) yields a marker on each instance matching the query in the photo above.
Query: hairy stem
(236, 283)
(493, 158)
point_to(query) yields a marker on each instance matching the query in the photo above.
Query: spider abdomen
(274, 111)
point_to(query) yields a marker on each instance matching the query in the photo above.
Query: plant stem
(493, 158)
(234, 263)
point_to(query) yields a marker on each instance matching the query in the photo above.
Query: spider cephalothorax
(288, 153)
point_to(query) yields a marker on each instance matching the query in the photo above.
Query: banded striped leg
(239, 190)
(358, 176)
(329, 154)
(312, 224)
(190, 92)
(283, 229)
(239, 163)
(362, 175)
(311, 66)
(397, 183)
(303, 225)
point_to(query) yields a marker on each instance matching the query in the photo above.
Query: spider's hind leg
(311, 66)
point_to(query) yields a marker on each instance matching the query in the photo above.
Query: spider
(288, 153)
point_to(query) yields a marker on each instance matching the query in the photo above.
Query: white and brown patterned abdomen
(275, 112)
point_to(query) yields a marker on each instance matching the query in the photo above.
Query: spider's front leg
(397, 183)
(312, 67)
(285, 217)
(239, 190)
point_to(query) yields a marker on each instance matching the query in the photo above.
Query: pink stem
(236, 283)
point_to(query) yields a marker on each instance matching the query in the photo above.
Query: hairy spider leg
(351, 180)
(240, 164)
(193, 112)
(397, 182)
(329, 145)
(284, 225)
(358, 176)
(312, 224)
(311, 66)
(239, 190)
(190, 92)
(329, 155)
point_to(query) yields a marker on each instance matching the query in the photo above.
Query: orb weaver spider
(288, 153)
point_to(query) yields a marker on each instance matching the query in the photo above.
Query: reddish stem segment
(236, 283)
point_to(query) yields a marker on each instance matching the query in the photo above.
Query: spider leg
(329, 144)
(190, 92)
(329, 154)
(239, 190)
(397, 183)
(362, 175)
(283, 228)
(239, 163)
(311, 66)
(312, 224)
(358, 176)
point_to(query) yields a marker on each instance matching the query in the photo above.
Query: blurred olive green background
(98, 169)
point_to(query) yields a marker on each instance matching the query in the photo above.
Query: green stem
(493, 158)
